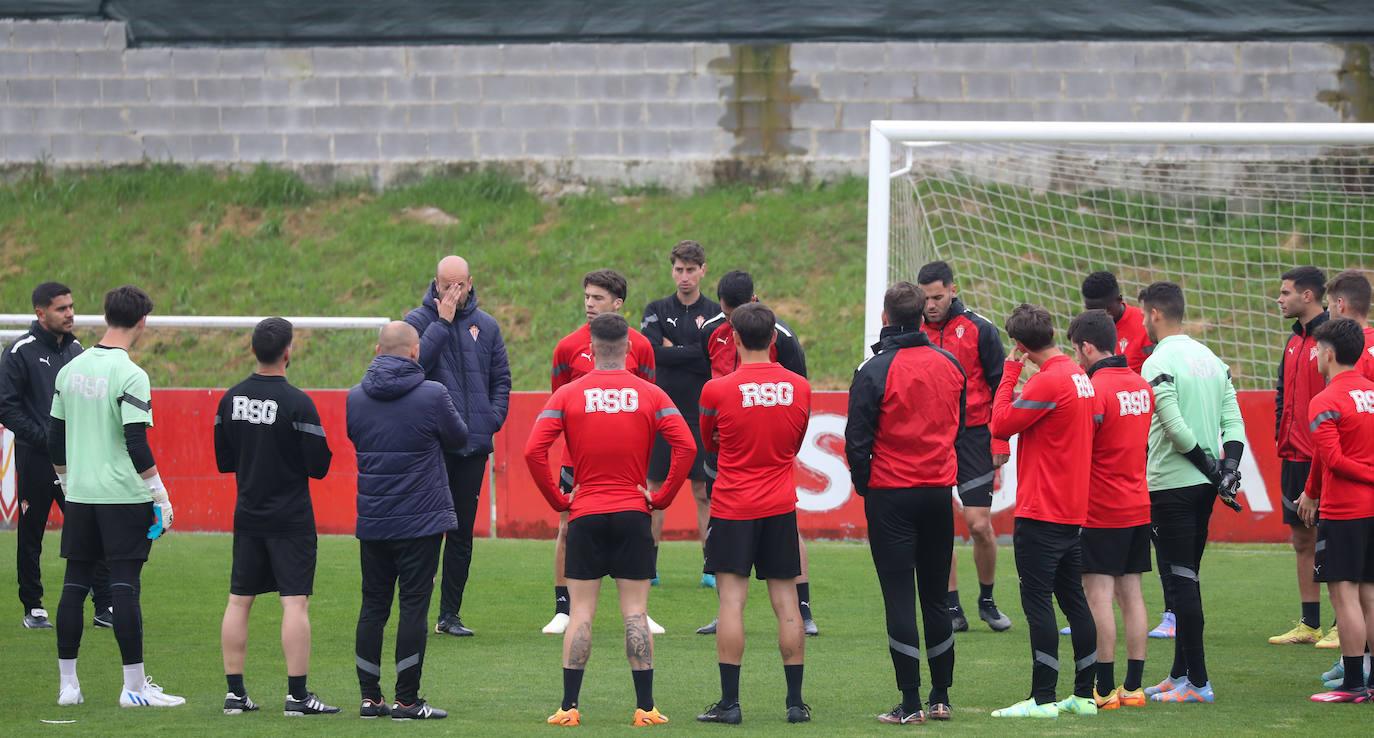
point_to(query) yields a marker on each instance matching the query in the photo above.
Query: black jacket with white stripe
(28, 373)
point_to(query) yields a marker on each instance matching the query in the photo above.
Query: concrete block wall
(680, 114)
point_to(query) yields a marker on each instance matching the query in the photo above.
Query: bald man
(461, 348)
(404, 510)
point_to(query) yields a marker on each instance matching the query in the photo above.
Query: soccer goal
(1024, 211)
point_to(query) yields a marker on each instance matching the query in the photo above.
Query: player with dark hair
(1054, 417)
(116, 501)
(906, 411)
(1342, 424)
(268, 434)
(1348, 296)
(603, 291)
(1116, 534)
(977, 345)
(608, 419)
(27, 375)
(675, 326)
(1299, 380)
(1195, 418)
(755, 419)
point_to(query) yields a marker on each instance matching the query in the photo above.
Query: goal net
(1024, 211)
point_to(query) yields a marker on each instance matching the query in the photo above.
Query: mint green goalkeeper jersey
(97, 393)
(1195, 405)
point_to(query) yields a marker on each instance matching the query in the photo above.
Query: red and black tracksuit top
(1299, 381)
(719, 347)
(906, 407)
(977, 345)
(1132, 340)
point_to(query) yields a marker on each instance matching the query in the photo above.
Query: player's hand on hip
(648, 495)
(999, 459)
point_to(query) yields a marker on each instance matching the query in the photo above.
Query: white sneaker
(150, 696)
(654, 628)
(557, 625)
(70, 696)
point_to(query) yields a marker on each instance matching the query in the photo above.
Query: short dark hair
(1099, 290)
(1032, 326)
(1094, 327)
(754, 324)
(1345, 337)
(1307, 278)
(607, 279)
(903, 303)
(935, 271)
(1166, 297)
(735, 288)
(125, 306)
(271, 339)
(45, 293)
(1351, 286)
(609, 328)
(688, 251)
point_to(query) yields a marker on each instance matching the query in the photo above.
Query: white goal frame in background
(890, 156)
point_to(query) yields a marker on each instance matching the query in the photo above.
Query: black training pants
(1049, 562)
(38, 490)
(410, 563)
(1179, 520)
(465, 474)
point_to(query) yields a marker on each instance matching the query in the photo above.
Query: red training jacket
(1299, 381)
(1342, 424)
(1117, 494)
(1054, 416)
(1132, 340)
(572, 357)
(760, 412)
(608, 419)
(977, 345)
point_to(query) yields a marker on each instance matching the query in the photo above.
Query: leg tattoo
(638, 647)
(581, 648)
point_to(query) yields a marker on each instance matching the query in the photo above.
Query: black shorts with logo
(976, 472)
(1116, 551)
(767, 546)
(107, 532)
(619, 545)
(662, 456)
(1345, 551)
(283, 564)
(1293, 480)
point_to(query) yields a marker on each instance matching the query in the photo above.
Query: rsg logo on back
(766, 394)
(257, 412)
(611, 400)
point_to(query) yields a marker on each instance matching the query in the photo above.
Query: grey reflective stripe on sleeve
(1328, 415)
(1098, 418)
(558, 369)
(140, 404)
(368, 666)
(903, 648)
(407, 662)
(933, 651)
(217, 420)
(710, 470)
(1024, 404)
(1047, 660)
(1182, 571)
(549, 414)
(1085, 662)
(1321, 546)
(1161, 379)
(977, 482)
(666, 412)
(703, 410)
(1290, 504)
(648, 373)
(311, 428)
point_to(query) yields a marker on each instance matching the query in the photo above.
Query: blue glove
(155, 530)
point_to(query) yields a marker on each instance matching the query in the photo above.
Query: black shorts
(565, 479)
(619, 545)
(1345, 551)
(1293, 480)
(976, 472)
(662, 455)
(768, 546)
(1116, 551)
(107, 532)
(284, 564)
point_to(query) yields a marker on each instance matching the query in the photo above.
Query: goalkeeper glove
(162, 507)
(1229, 483)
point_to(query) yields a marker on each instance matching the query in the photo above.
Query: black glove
(1229, 483)
(1205, 464)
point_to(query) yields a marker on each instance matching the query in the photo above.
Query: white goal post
(1024, 210)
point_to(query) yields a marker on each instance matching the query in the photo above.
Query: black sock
(729, 684)
(295, 686)
(952, 600)
(1135, 671)
(1312, 614)
(804, 599)
(911, 701)
(1106, 677)
(939, 696)
(793, 673)
(572, 687)
(561, 602)
(236, 684)
(985, 592)
(1354, 672)
(644, 688)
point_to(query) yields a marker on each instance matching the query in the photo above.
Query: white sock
(66, 669)
(133, 677)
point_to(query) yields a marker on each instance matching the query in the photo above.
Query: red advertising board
(204, 498)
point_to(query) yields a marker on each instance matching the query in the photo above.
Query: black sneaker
(311, 705)
(451, 625)
(37, 618)
(799, 713)
(719, 713)
(957, 619)
(987, 610)
(708, 629)
(898, 716)
(236, 705)
(418, 711)
(103, 618)
(810, 628)
(373, 709)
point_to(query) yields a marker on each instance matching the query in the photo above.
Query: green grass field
(507, 679)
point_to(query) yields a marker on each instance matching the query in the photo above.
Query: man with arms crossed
(608, 419)
(755, 419)
(268, 434)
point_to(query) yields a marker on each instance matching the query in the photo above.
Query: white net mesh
(1024, 222)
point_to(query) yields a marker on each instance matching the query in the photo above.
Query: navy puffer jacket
(468, 357)
(401, 425)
